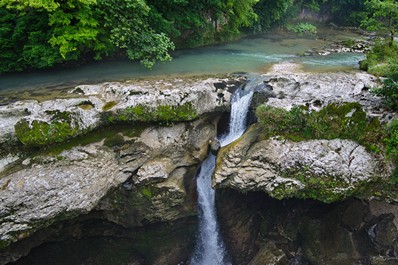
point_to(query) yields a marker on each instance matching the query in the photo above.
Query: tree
(271, 11)
(383, 16)
(126, 23)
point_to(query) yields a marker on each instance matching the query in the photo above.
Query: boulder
(327, 170)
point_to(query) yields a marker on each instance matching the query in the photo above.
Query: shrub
(389, 92)
(382, 60)
(302, 28)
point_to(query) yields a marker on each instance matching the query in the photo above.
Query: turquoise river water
(253, 54)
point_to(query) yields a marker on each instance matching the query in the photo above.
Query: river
(252, 54)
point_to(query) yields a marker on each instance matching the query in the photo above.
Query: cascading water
(210, 249)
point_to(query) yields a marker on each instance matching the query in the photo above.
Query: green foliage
(302, 28)
(346, 121)
(382, 60)
(382, 16)
(23, 41)
(389, 92)
(127, 25)
(391, 142)
(271, 11)
(74, 28)
(238, 13)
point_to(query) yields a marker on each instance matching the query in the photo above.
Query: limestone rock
(327, 170)
(164, 101)
(316, 90)
(215, 145)
(154, 170)
(42, 194)
(139, 181)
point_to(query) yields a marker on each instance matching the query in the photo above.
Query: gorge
(106, 173)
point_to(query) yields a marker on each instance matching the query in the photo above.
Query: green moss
(86, 105)
(108, 105)
(112, 136)
(335, 121)
(147, 192)
(327, 189)
(60, 128)
(163, 114)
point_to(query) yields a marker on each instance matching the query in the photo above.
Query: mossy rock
(38, 133)
(325, 189)
(335, 121)
(164, 114)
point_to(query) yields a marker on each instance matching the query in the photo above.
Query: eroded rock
(161, 101)
(141, 180)
(326, 170)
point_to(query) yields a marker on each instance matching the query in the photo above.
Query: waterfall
(237, 123)
(210, 249)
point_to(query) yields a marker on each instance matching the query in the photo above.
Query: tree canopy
(45, 33)
(382, 16)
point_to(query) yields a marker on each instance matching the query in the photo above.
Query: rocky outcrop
(162, 101)
(139, 179)
(316, 91)
(327, 170)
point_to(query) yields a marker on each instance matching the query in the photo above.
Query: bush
(302, 28)
(389, 92)
(382, 60)
(391, 142)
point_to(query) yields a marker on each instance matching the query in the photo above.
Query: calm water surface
(254, 54)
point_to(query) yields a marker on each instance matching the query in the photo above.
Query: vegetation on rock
(37, 133)
(343, 121)
(163, 114)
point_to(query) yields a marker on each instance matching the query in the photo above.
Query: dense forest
(46, 33)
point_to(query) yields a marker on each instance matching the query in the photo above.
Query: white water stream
(210, 249)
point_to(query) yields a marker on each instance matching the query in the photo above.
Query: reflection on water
(252, 54)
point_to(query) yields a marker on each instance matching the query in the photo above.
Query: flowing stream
(210, 249)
